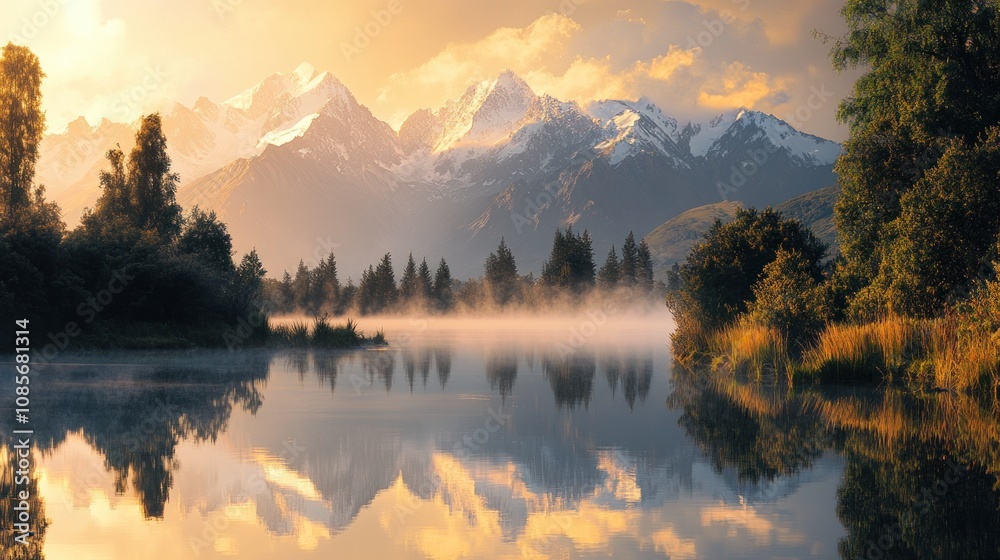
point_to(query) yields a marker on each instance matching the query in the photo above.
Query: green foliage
(22, 125)
(789, 298)
(571, 262)
(501, 274)
(208, 239)
(607, 277)
(644, 271)
(442, 290)
(919, 158)
(143, 193)
(630, 261)
(408, 288)
(716, 283)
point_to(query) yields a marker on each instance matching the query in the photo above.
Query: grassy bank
(935, 353)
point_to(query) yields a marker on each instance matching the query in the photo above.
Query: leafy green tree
(205, 237)
(152, 186)
(930, 94)
(715, 283)
(501, 274)
(789, 298)
(609, 274)
(21, 125)
(629, 275)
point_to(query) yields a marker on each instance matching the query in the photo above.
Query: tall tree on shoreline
(918, 216)
(21, 125)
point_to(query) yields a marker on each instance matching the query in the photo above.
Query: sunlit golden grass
(870, 351)
(750, 349)
(938, 353)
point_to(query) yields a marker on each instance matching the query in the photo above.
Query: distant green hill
(671, 241)
(815, 210)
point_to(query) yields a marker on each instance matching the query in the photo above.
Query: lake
(510, 438)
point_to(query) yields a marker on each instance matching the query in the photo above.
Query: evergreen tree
(607, 277)
(571, 262)
(249, 283)
(286, 302)
(386, 293)
(21, 125)
(442, 285)
(301, 286)
(325, 286)
(367, 298)
(644, 270)
(424, 282)
(501, 273)
(408, 283)
(630, 262)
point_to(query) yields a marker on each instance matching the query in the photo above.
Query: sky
(119, 59)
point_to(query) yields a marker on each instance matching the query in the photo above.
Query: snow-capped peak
(304, 72)
(489, 112)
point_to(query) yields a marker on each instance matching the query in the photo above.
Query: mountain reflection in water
(449, 449)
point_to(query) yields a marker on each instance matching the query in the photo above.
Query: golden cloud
(739, 86)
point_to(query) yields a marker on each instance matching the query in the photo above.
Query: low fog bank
(600, 325)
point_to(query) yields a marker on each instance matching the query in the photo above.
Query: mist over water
(585, 328)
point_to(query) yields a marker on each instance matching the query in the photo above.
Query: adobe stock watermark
(818, 97)
(364, 34)
(569, 7)
(587, 328)
(533, 206)
(218, 522)
(464, 448)
(88, 311)
(714, 28)
(922, 502)
(128, 100)
(360, 382)
(745, 170)
(31, 25)
(224, 7)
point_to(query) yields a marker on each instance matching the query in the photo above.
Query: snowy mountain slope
(297, 158)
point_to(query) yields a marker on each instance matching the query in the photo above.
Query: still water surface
(525, 440)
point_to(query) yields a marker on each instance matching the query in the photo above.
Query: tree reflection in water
(922, 474)
(135, 416)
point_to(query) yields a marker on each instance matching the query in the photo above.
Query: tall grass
(750, 349)
(322, 335)
(937, 353)
(883, 349)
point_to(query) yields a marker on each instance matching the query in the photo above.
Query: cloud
(596, 78)
(460, 64)
(663, 67)
(739, 86)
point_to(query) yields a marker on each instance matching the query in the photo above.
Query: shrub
(789, 299)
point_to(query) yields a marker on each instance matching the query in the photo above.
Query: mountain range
(297, 167)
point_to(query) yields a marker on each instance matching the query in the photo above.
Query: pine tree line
(569, 270)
